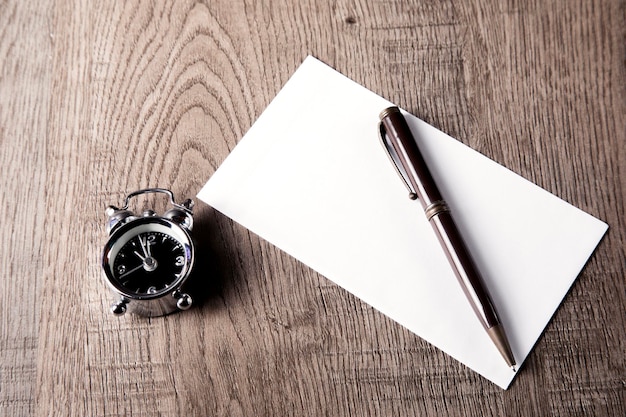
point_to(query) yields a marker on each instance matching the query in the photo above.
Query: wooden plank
(24, 106)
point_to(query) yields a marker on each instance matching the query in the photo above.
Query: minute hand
(144, 245)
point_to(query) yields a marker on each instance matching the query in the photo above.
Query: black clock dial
(147, 258)
(149, 263)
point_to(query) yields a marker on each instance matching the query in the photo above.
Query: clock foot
(184, 301)
(119, 308)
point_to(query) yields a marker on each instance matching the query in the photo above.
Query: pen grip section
(465, 269)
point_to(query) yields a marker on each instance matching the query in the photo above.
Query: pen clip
(393, 157)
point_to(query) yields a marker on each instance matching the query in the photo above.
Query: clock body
(146, 261)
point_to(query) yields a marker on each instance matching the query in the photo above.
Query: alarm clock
(148, 257)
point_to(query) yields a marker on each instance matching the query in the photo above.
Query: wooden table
(98, 99)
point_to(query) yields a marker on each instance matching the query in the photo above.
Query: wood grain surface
(98, 99)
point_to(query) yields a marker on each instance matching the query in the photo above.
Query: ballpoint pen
(404, 153)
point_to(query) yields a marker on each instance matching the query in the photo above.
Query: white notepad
(312, 178)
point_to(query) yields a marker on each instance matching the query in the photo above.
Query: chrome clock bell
(148, 257)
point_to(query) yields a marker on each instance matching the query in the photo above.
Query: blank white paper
(312, 178)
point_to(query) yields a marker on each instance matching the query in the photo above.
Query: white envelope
(312, 178)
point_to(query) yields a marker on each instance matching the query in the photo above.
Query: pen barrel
(421, 180)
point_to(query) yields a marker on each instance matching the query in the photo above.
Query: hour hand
(140, 256)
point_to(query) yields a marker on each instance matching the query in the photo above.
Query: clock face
(148, 257)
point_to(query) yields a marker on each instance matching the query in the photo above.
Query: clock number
(151, 239)
(180, 260)
(121, 269)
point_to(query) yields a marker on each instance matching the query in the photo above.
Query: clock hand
(148, 247)
(143, 246)
(131, 271)
(139, 255)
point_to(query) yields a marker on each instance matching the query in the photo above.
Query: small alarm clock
(148, 258)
